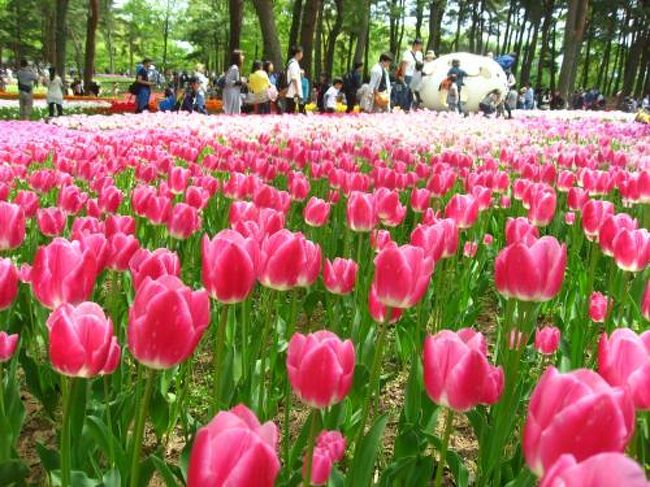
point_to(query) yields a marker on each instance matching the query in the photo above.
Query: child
(453, 95)
(416, 85)
(169, 103)
(332, 94)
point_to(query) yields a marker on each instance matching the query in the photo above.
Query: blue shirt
(460, 75)
(305, 89)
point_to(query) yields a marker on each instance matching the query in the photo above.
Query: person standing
(529, 98)
(143, 90)
(332, 95)
(380, 84)
(306, 91)
(54, 94)
(460, 75)
(294, 80)
(26, 78)
(511, 101)
(351, 84)
(410, 59)
(258, 88)
(234, 82)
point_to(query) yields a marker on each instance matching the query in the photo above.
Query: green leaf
(160, 413)
(164, 471)
(363, 463)
(103, 437)
(112, 478)
(455, 463)
(77, 479)
(78, 396)
(13, 472)
(41, 382)
(49, 458)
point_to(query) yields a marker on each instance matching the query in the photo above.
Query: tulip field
(391, 300)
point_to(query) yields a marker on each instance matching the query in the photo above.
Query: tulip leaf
(361, 470)
(77, 479)
(13, 472)
(105, 439)
(455, 463)
(78, 396)
(337, 479)
(112, 478)
(160, 413)
(164, 471)
(412, 470)
(49, 458)
(42, 382)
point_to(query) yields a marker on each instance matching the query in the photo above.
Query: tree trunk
(472, 30)
(348, 62)
(108, 34)
(61, 35)
(519, 42)
(295, 25)
(318, 51)
(400, 37)
(573, 35)
(530, 52)
(419, 18)
(166, 33)
(436, 12)
(553, 54)
(584, 82)
(633, 59)
(393, 25)
(481, 28)
(264, 9)
(91, 31)
(362, 37)
(459, 22)
(543, 52)
(644, 67)
(506, 36)
(309, 17)
(334, 34)
(236, 15)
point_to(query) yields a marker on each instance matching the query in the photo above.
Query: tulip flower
(379, 239)
(594, 213)
(82, 343)
(577, 198)
(601, 470)
(110, 199)
(63, 273)
(12, 226)
(563, 415)
(431, 239)
(517, 339)
(531, 273)
(98, 245)
(8, 344)
(166, 321)
(378, 311)
(463, 209)
(51, 221)
(402, 275)
(542, 207)
(488, 240)
(612, 224)
(251, 458)
(632, 249)
(298, 186)
(71, 199)
(470, 249)
(598, 306)
(547, 340)
(329, 449)
(457, 374)
(569, 218)
(320, 368)
(122, 248)
(420, 199)
(316, 212)
(645, 302)
(340, 275)
(8, 283)
(520, 230)
(229, 266)
(160, 262)
(624, 361)
(389, 209)
(183, 221)
(361, 212)
(28, 201)
(288, 260)
(178, 178)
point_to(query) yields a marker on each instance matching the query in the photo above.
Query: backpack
(283, 78)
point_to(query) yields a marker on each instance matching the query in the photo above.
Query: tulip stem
(218, 357)
(449, 422)
(66, 385)
(109, 419)
(313, 429)
(5, 446)
(138, 432)
(374, 378)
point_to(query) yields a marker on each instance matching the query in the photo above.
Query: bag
(133, 88)
(381, 99)
(348, 83)
(221, 82)
(283, 77)
(24, 88)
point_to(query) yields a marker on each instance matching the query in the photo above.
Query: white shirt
(55, 90)
(376, 73)
(294, 78)
(409, 59)
(330, 97)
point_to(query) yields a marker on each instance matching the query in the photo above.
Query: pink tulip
(166, 321)
(250, 459)
(12, 226)
(28, 201)
(598, 305)
(379, 239)
(183, 221)
(158, 210)
(402, 275)
(8, 344)
(82, 343)
(520, 230)
(488, 240)
(378, 311)
(565, 181)
(390, 210)
(531, 273)
(463, 209)
(317, 212)
(298, 186)
(8, 283)
(51, 221)
(632, 249)
(178, 178)
(229, 266)
(25, 273)
(85, 225)
(98, 245)
(505, 202)
(594, 213)
(517, 339)
(542, 207)
(470, 249)
(288, 260)
(565, 414)
(121, 249)
(361, 212)
(63, 273)
(601, 470)
(624, 361)
(420, 199)
(340, 275)
(612, 224)
(577, 198)
(547, 340)
(197, 197)
(569, 218)
(160, 262)
(328, 450)
(431, 239)
(110, 199)
(119, 224)
(71, 199)
(457, 374)
(320, 368)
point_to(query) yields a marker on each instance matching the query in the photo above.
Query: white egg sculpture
(484, 75)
